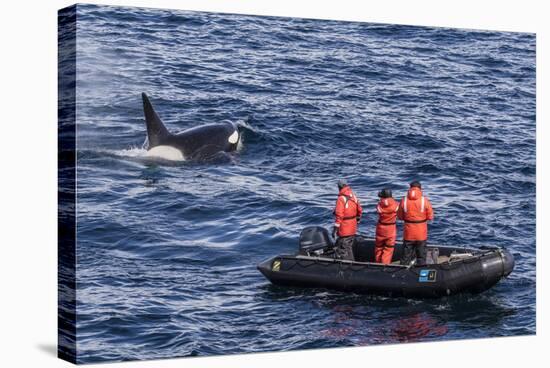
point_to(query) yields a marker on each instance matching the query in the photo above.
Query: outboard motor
(314, 240)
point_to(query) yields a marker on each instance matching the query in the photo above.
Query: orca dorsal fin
(156, 130)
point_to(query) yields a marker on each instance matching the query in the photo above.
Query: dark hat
(415, 184)
(385, 193)
(342, 183)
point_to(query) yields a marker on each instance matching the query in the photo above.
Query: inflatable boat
(450, 270)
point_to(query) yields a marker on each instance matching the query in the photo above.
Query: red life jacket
(415, 209)
(387, 215)
(346, 212)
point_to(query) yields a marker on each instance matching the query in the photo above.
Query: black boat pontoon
(450, 270)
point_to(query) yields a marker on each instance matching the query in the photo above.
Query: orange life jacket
(346, 212)
(387, 215)
(415, 210)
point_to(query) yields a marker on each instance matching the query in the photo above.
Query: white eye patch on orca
(234, 138)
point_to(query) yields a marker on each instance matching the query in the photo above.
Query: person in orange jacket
(386, 230)
(347, 214)
(415, 210)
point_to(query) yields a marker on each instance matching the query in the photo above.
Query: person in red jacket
(415, 210)
(386, 230)
(347, 214)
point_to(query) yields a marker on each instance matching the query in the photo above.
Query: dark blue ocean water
(167, 254)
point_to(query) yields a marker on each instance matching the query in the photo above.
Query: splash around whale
(201, 143)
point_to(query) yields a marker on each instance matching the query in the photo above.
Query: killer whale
(198, 143)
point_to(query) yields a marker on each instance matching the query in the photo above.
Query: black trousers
(412, 249)
(344, 247)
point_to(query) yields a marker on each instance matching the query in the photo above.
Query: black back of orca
(194, 143)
